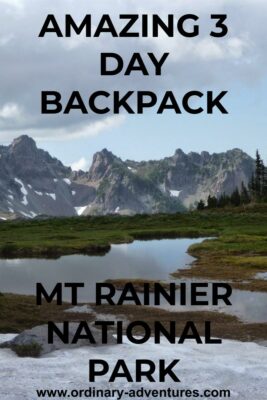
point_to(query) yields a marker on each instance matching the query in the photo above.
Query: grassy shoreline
(19, 312)
(237, 254)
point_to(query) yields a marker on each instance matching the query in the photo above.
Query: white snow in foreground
(175, 193)
(73, 193)
(68, 182)
(51, 195)
(55, 180)
(80, 210)
(23, 191)
(85, 309)
(3, 219)
(10, 196)
(112, 318)
(117, 210)
(10, 209)
(239, 367)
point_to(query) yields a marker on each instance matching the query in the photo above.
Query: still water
(151, 260)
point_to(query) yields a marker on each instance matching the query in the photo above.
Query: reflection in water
(261, 275)
(248, 306)
(152, 260)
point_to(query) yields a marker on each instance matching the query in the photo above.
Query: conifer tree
(212, 202)
(264, 185)
(235, 198)
(244, 195)
(223, 200)
(201, 205)
(251, 185)
(259, 177)
(258, 183)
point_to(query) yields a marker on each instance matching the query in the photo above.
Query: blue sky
(151, 136)
(236, 63)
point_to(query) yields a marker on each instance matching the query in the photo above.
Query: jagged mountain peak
(179, 152)
(102, 163)
(23, 143)
(104, 154)
(23, 139)
(238, 152)
(32, 182)
(205, 153)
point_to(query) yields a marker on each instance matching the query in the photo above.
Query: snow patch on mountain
(80, 210)
(52, 195)
(175, 193)
(31, 214)
(23, 191)
(27, 172)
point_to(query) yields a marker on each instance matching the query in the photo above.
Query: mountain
(195, 176)
(34, 183)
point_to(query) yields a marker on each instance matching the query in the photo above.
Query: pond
(154, 259)
(261, 275)
(148, 260)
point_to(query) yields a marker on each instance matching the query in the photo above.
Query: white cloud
(80, 131)
(9, 111)
(30, 64)
(13, 3)
(5, 40)
(82, 164)
(99, 126)
(204, 49)
(238, 46)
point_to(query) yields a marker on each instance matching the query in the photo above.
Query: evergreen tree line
(255, 192)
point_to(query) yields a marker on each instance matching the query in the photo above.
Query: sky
(236, 63)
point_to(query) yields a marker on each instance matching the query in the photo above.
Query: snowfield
(80, 210)
(239, 367)
(175, 193)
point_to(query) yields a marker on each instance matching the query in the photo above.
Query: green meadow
(236, 252)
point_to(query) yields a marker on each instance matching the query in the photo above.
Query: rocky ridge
(32, 183)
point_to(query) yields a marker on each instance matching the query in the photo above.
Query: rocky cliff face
(119, 189)
(194, 176)
(33, 183)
